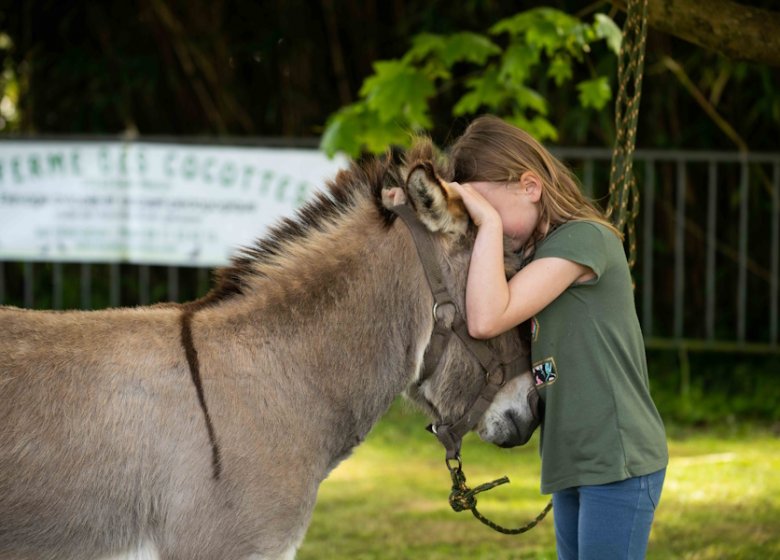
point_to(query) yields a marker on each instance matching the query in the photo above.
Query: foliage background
(265, 69)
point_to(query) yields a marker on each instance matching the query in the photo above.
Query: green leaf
(382, 135)
(517, 63)
(468, 47)
(447, 50)
(552, 20)
(343, 131)
(425, 45)
(356, 127)
(551, 30)
(560, 69)
(594, 93)
(545, 36)
(398, 91)
(606, 28)
(515, 25)
(426, 51)
(578, 38)
(485, 91)
(528, 98)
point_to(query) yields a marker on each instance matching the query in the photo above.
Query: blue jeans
(607, 521)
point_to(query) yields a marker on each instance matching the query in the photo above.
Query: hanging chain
(623, 205)
(464, 498)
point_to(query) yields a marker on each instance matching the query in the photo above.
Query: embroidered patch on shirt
(545, 372)
(534, 329)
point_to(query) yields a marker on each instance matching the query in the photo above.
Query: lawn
(388, 501)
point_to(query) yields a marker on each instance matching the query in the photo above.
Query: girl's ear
(531, 185)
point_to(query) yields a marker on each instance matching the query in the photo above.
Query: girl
(603, 444)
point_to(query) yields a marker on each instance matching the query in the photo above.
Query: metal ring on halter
(437, 304)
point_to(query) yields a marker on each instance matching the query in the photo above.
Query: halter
(451, 434)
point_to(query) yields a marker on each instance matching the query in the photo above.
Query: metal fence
(706, 277)
(707, 273)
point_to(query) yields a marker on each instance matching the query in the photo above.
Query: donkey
(203, 430)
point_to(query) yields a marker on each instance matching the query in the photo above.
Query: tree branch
(708, 108)
(737, 31)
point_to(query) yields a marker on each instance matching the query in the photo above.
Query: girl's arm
(494, 305)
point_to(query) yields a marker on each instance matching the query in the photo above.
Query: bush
(719, 389)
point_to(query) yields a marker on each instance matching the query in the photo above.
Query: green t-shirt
(600, 423)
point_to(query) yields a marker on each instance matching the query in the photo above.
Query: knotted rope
(623, 205)
(463, 498)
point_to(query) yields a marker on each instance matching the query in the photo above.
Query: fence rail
(706, 277)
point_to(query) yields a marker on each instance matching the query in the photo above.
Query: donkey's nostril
(522, 433)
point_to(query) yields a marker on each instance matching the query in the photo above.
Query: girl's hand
(480, 210)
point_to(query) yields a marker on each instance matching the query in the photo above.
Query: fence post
(29, 285)
(679, 250)
(709, 290)
(86, 286)
(173, 283)
(115, 279)
(56, 272)
(743, 244)
(143, 284)
(775, 257)
(647, 248)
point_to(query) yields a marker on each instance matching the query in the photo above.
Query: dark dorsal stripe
(192, 359)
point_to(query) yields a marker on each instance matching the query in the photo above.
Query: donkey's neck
(348, 315)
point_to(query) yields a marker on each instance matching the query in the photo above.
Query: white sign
(148, 203)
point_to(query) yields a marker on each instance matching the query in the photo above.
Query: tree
(538, 45)
(505, 79)
(218, 68)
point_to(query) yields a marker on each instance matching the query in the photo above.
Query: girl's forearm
(487, 292)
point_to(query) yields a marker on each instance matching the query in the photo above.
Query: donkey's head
(449, 384)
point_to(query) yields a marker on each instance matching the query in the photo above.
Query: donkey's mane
(363, 179)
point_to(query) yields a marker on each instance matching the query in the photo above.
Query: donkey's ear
(438, 207)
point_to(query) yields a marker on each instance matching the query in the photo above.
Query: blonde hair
(493, 150)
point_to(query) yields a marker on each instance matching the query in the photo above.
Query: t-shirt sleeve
(580, 242)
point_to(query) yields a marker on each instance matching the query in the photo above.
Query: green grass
(388, 501)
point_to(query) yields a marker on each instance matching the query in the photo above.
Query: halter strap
(427, 253)
(451, 434)
(441, 296)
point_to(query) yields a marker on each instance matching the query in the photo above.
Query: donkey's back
(100, 434)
